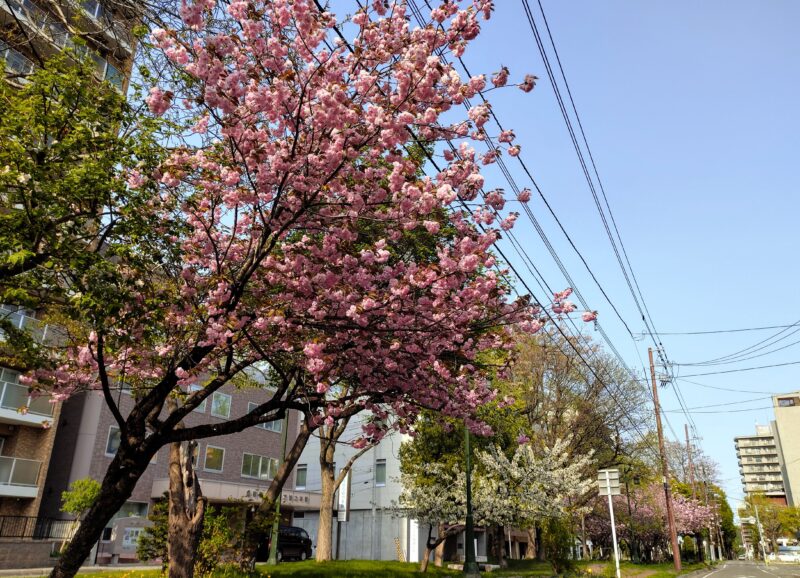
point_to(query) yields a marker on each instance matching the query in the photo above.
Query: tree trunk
(497, 547)
(438, 556)
(540, 553)
(530, 551)
(325, 529)
(118, 484)
(186, 511)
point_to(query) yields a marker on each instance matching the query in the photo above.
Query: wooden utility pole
(689, 452)
(673, 534)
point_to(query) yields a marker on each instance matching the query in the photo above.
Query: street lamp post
(470, 565)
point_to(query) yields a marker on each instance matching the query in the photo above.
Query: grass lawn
(524, 568)
(307, 569)
(350, 569)
(369, 569)
(631, 570)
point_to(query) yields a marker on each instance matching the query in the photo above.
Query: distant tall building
(787, 437)
(760, 464)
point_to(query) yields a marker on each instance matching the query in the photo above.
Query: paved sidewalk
(39, 572)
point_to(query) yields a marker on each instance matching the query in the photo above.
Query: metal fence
(34, 528)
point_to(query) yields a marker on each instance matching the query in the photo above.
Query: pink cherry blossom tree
(306, 241)
(648, 518)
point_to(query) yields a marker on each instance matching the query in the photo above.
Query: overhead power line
(728, 403)
(722, 410)
(724, 388)
(739, 330)
(617, 244)
(745, 353)
(567, 338)
(742, 369)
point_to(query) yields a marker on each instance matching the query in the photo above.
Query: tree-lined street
(259, 258)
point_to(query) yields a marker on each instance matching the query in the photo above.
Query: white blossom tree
(506, 491)
(527, 487)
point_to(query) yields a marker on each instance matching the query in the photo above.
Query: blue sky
(691, 112)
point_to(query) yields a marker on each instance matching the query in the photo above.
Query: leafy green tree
(80, 496)
(67, 214)
(77, 500)
(152, 543)
(790, 520)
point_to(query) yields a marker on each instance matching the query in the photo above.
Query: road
(738, 569)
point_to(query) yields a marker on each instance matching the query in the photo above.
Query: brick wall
(32, 443)
(27, 554)
(252, 440)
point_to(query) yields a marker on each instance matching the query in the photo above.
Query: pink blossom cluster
(309, 232)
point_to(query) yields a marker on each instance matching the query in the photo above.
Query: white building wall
(373, 532)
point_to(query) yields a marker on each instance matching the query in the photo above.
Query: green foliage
(729, 529)
(220, 536)
(153, 540)
(558, 540)
(80, 496)
(67, 215)
(789, 518)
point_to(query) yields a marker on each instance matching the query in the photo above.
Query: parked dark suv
(293, 542)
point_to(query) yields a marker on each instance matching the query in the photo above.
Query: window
(380, 472)
(259, 467)
(301, 476)
(114, 76)
(130, 538)
(58, 34)
(132, 509)
(787, 401)
(275, 425)
(113, 441)
(221, 405)
(214, 459)
(93, 8)
(202, 407)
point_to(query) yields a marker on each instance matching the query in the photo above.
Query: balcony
(19, 477)
(18, 406)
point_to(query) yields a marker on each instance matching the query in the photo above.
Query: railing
(16, 397)
(19, 471)
(34, 528)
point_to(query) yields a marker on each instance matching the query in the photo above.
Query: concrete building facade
(787, 436)
(374, 530)
(760, 464)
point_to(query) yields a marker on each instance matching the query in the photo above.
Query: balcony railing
(17, 398)
(34, 528)
(19, 471)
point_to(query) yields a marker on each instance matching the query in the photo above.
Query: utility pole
(711, 538)
(761, 536)
(673, 534)
(471, 569)
(691, 464)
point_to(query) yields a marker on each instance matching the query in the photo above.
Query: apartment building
(373, 529)
(232, 469)
(761, 464)
(26, 433)
(32, 29)
(787, 438)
